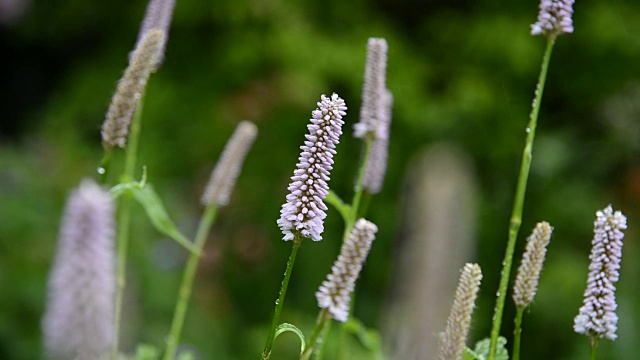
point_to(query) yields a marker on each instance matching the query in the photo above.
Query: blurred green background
(461, 71)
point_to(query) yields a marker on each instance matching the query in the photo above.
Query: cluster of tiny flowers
(224, 175)
(78, 322)
(528, 276)
(453, 340)
(373, 91)
(157, 16)
(303, 213)
(554, 18)
(335, 292)
(597, 317)
(144, 61)
(377, 164)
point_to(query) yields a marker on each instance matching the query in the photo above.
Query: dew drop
(277, 301)
(101, 170)
(528, 130)
(498, 294)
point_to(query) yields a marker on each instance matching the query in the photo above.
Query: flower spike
(304, 212)
(597, 317)
(528, 276)
(335, 292)
(554, 18)
(79, 319)
(224, 175)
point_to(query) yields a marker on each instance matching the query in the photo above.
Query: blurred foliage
(461, 71)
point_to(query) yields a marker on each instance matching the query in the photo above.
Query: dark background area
(461, 72)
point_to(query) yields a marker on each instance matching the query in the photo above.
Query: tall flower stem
(594, 347)
(516, 215)
(323, 318)
(517, 332)
(124, 221)
(266, 353)
(350, 220)
(188, 276)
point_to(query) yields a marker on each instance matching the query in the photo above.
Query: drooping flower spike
(597, 317)
(303, 213)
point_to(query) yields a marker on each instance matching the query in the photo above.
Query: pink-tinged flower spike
(304, 212)
(224, 175)
(335, 292)
(158, 15)
(453, 340)
(554, 18)
(377, 165)
(597, 317)
(144, 60)
(528, 276)
(373, 91)
(79, 318)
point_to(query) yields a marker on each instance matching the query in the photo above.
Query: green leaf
(469, 354)
(481, 351)
(344, 209)
(158, 216)
(284, 327)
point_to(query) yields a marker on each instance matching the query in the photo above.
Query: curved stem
(297, 241)
(188, 276)
(323, 319)
(516, 334)
(124, 222)
(516, 215)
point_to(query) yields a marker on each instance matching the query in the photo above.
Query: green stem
(124, 222)
(516, 334)
(297, 241)
(188, 276)
(361, 173)
(594, 347)
(325, 333)
(355, 207)
(323, 319)
(105, 165)
(516, 215)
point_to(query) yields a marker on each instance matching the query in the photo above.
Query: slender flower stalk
(597, 317)
(144, 60)
(224, 175)
(186, 285)
(157, 16)
(216, 195)
(373, 91)
(453, 340)
(304, 212)
(376, 166)
(528, 276)
(547, 13)
(78, 322)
